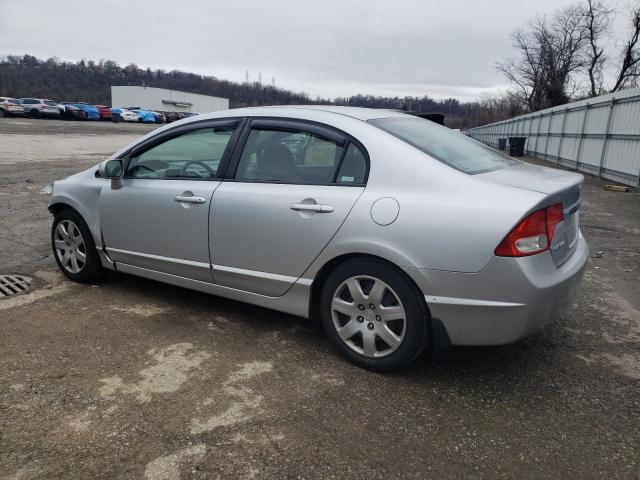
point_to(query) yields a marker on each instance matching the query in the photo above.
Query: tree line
(90, 81)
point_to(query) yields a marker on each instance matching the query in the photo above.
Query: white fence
(600, 135)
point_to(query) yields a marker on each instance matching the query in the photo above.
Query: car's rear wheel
(374, 315)
(74, 248)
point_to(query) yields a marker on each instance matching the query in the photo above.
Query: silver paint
(266, 243)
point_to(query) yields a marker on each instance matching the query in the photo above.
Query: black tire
(117, 118)
(417, 334)
(92, 270)
(3, 113)
(35, 113)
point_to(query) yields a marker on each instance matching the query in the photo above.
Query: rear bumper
(14, 110)
(505, 302)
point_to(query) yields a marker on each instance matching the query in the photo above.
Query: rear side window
(50, 103)
(354, 167)
(450, 147)
(192, 155)
(272, 155)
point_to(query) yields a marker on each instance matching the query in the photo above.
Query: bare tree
(596, 21)
(630, 67)
(551, 54)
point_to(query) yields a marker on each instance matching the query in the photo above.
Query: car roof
(358, 113)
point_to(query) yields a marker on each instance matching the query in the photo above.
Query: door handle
(183, 199)
(311, 207)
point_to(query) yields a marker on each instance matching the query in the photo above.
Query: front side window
(446, 145)
(272, 155)
(192, 155)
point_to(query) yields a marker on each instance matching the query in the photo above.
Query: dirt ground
(135, 379)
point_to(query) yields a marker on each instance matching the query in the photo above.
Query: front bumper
(506, 301)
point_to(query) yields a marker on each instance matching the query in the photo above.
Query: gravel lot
(135, 379)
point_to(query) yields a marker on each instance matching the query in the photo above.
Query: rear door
(289, 189)
(158, 218)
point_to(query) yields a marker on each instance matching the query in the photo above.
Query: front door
(158, 218)
(293, 187)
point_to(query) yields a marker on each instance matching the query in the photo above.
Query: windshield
(448, 146)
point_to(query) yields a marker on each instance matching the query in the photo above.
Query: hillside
(28, 76)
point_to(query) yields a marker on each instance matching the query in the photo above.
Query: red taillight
(533, 234)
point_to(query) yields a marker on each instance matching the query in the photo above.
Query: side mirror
(111, 169)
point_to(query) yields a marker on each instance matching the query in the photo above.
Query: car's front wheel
(74, 248)
(374, 315)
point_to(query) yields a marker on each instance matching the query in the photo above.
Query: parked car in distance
(40, 107)
(181, 115)
(159, 117)
(399, 234)
(170, 117)
(91, 111)
(71, 112)
(123, 115)
(10, 106)
(145, 116)
(104, 112)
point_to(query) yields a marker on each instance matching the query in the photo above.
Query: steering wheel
(140, 166)
(197, 162)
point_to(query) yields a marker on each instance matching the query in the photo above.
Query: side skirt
(294, 302)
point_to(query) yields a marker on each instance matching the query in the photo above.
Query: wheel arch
(329, 266)
(66, 204)
(440, 341)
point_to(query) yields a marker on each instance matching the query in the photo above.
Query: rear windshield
(449, 146)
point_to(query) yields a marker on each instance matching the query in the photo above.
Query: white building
(149, 98)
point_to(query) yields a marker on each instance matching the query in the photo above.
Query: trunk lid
(559, 186)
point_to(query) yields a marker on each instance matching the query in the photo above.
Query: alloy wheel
(70, 246)
(368, 316)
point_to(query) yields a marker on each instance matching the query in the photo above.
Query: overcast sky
(442, 48)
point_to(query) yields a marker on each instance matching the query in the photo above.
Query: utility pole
(273, 81)
(260, 77)
(246, 76)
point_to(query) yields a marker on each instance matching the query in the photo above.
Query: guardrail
(599, 135)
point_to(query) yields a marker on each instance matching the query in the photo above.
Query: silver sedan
(400, 235)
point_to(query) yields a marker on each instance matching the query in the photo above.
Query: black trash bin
(502, 144)
(516, 146)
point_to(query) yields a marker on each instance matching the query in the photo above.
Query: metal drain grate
(13, 284)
